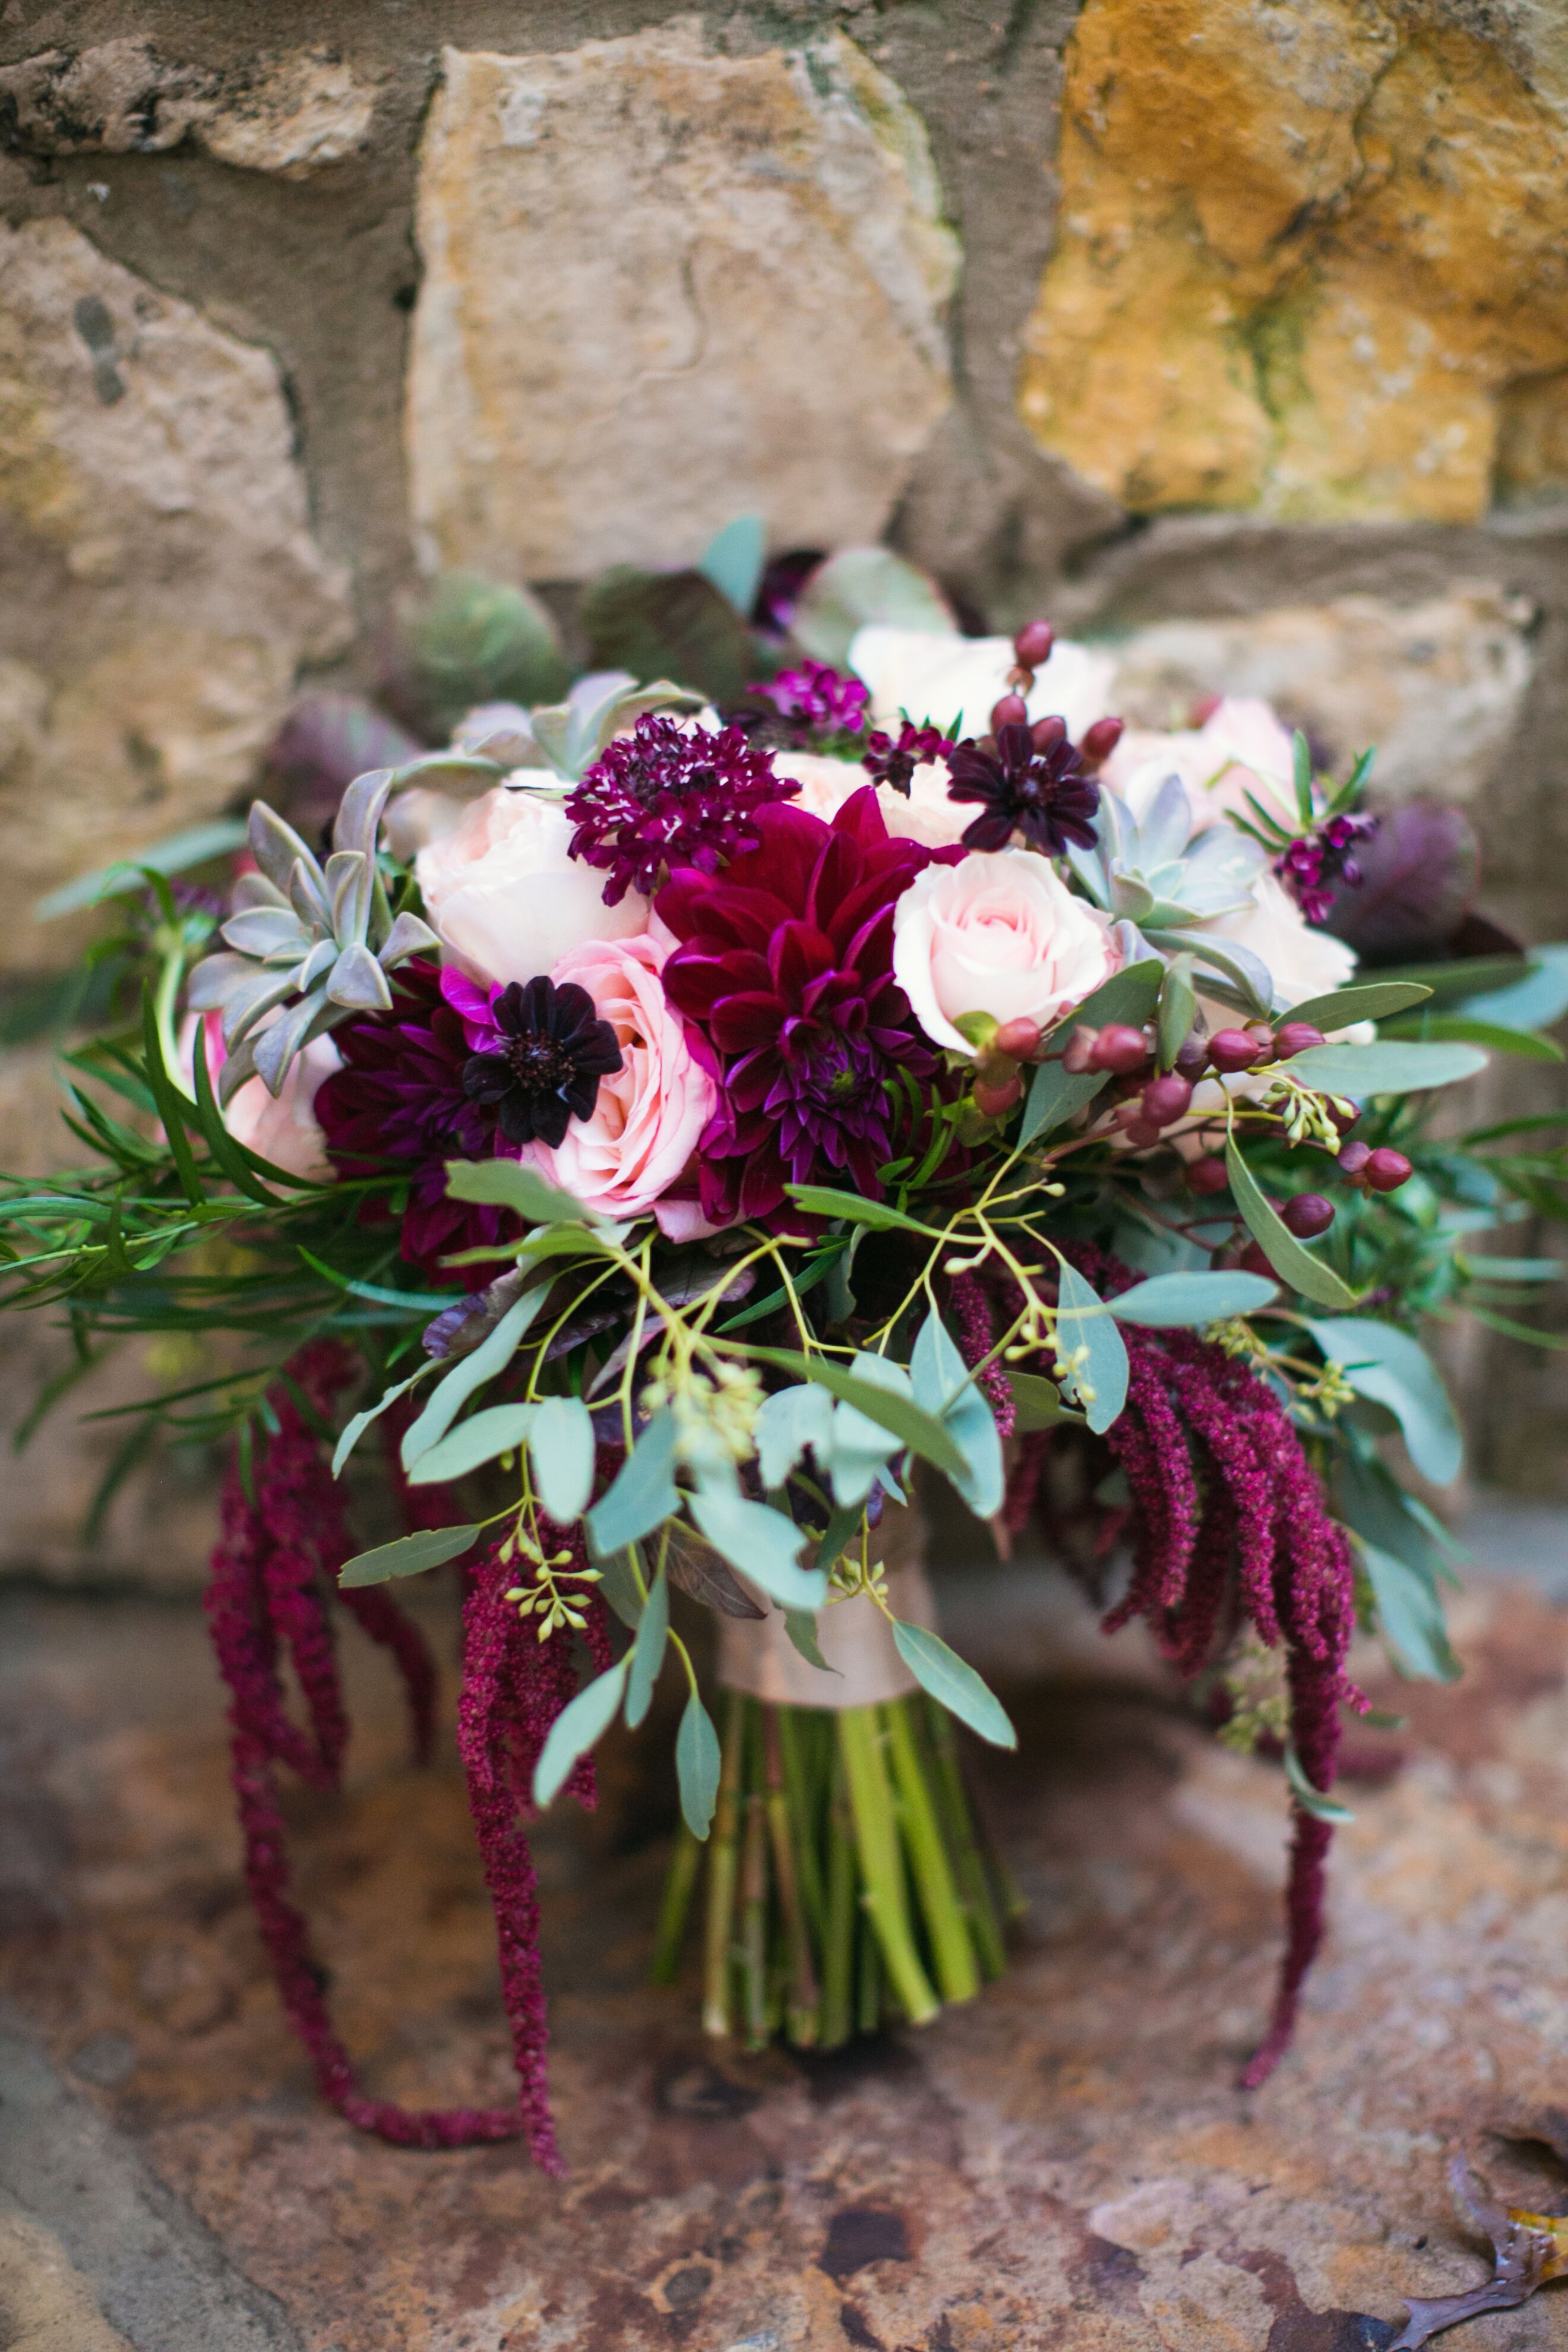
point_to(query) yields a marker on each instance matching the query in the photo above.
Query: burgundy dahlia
(1039, 792)
(817, 700)
(398, 1106)
(541, 1063)
(889, 761)
(785, 971)
(669, 795)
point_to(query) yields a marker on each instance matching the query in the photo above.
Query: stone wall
(1236, 330)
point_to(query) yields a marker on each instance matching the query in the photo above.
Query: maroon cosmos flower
(889, 761)
(398, 1105)
(539, 1064)
(816, 699)
(784, 971)
(1027, 787)
(669, 795)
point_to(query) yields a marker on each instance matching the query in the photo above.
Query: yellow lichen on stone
(1303, 256)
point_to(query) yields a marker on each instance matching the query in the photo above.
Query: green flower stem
(675, 1907)
(802, 1813)
(868, 1990)
(754, 1923)
(721, 1862)
(945, 1925)
(839, 1934)
(953, 1804)
(803, 2017)
(881, 1862)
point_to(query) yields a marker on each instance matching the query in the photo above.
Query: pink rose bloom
(282, 1128)
(503, 896)
(998, 933)
(927, 815)
(625, 1159)
(1240, 748)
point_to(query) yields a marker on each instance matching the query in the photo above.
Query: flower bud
(1019, 1038)
(1192, 1055)
(1048, 733)
(1011, 711)
(1166, 1100)
(1353, 1159)
(1386, 1170)
(1296, 1038)
(1142, 1134)
(1119, 1047)
(1077, 1054)
(1207, 1177)
(1254, 1260)
(1033, 644)
(1308, 1213)
(1100, 740)
(1233, 1049)
(993, 1100)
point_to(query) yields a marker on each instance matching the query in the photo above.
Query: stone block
(663, 288)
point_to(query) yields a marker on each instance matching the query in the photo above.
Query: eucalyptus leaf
(1525, 1045)
(648, 1652)
(1037, 1404)
(945, 1388)
(954, 1684)
(894, 1411)
(1535, 1001)
(1100, 1384)
(499, 1428)
(826, 1200)
(409, 1556)
(1410, 1615)
(469, 1372)
(561, 1447)
(1190, 1300)
(576, 1728)
(762, 1543)
(1290, 1259)
(734, 560)
(800, 1624)
(621, 1589)
(1129, 995)
(698, 1764)
(1392, 1369)
(644, 1493)
(858, 1449)
(1388, 1067)
(507, 1184)
(860, 585)
(1178, 1010)
(791, 1419)
(1312, 1800)
(355, 1429)
(1363, 1000)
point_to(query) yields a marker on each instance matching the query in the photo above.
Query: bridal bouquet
(673, 1123)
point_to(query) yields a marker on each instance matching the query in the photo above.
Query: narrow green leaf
(561, 1447)
(1531, 1000)
(1384, 1068)
(945, 1389)
(898, 1413)
(698, 1763)
(195, 847)
(1312, 1800)
(647, 1651)
(621, 1587)
(507, 1184)
(1393, 1368)
(800, 1624)
(1174, 1299)
(1083, 1322)
(1525, 1045)
(409, 1556)
(1129, 995)
(575, 1728)
(791, 1419)
(1410, 1616)
(171, 1104)
(954, 1684)
(230, 1157)
(762, 1543)
(844, 1524)
(451, 1393)
(1290, 1259)
(1055, 1095)
(644, 1493)
(499, 1428)
(1178, 1009)
(1302, 756)
(824, 1200)
(1037, 1402)
(1363, 1000)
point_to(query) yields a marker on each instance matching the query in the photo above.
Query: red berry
(1192, 1055)
(1233, 1049)
(1166, 1100)
(1019, 1039)
(1255, 1259)
(1077, 1054)
(1100, 740)
(1296, 1038)
(1207, 1176)
(1119, 1047)
(1142, 1134)
(993, 1100)
(1048, 733)
(1011, 711)
(1386, 1170)
(1351, 1158)
(1033, 644)
(1308, 1213)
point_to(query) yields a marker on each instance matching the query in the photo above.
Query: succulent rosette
(678, 1122)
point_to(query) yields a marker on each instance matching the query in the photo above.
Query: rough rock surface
(1066, 2164)
(160, 581)
(1306, 257)
(661, 288)
(1437, 686)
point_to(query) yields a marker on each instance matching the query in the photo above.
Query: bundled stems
(846, 1883)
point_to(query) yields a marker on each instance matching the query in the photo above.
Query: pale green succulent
(324, 936)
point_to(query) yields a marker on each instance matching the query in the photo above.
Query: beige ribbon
(757, 1656)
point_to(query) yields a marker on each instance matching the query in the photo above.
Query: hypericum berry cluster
(1315, 861)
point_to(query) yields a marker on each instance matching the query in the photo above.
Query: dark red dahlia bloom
(398, 1106)
(786, 971)
(888, 760)
(817, 700)
(1027, 787)
(669, 795)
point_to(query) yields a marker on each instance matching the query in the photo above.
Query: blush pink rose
(638, 1145)
(925, 814)
(504, 896)
(284, 1128)
(998, 933)
(1240, 748)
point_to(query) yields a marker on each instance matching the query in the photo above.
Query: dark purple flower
(541, 1063)
(398, 1105)
(1312, 865)
(1038, 790)
(888, 761)
(816, 699)
(784, 971)
(669, 795)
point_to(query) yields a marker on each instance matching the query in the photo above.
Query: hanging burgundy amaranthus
(1227, 1525)
(273, 1581)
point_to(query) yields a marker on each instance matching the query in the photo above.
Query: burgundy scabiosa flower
(669, 795)
(399, 1105)
(889, 759)
(784, 971)
(817, 700)
(1028, 786)
(540, 1062)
